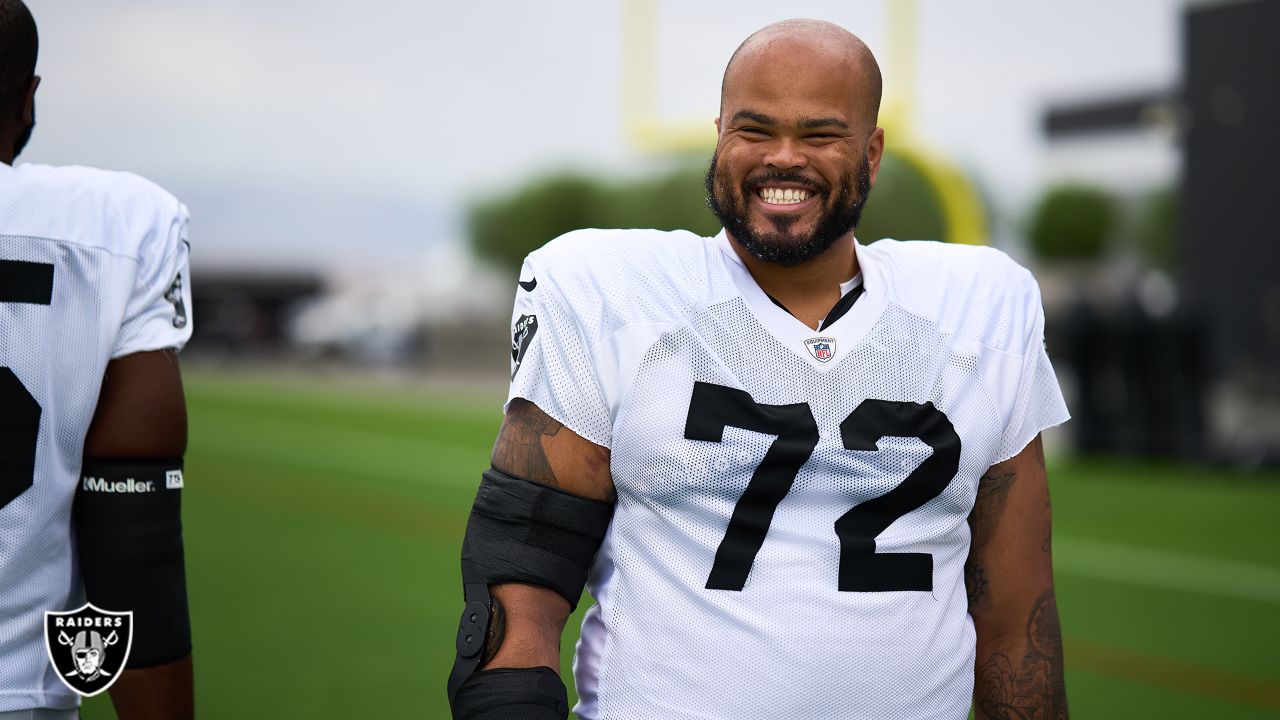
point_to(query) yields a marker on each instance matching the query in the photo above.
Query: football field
(323, 518)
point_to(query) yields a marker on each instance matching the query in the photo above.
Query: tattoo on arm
(993, 491)
(975, 582)
(1033, 688)
(519, 450)
(535, 446)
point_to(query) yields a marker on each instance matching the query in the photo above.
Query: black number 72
(862, 569)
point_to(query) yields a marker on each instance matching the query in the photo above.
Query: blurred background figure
(363, 186)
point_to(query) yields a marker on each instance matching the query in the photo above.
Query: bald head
(825, 42)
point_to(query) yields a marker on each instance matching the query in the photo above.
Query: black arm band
(512, 694)
(525, 532)
(129, 531)
(521, 532)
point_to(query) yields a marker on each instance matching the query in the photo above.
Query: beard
(25, 136)
(780, 244)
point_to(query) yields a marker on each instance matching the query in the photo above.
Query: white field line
(1164, 569)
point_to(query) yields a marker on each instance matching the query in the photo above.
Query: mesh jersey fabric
(118, 247)
(627, 324)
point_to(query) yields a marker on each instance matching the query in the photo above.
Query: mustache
(781, 176)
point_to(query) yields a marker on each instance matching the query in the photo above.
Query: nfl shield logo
(821, 348)
(88, 647)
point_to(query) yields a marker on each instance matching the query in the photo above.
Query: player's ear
(875, 151)
(29, 101)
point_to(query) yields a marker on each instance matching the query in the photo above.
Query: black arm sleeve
(128, 527)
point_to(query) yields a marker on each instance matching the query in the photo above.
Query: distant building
(1215, 137)
(240, 313)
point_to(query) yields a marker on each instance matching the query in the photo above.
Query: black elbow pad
(128, 527)
(522, 532)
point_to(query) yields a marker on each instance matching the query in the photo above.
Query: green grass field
(323, 519)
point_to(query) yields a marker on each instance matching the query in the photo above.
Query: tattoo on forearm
(1032, 689)
(519, 450)
(497, 631)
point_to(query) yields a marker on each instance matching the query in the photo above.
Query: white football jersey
(93, 266)
(790, 531)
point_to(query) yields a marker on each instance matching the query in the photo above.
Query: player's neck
(809, 290)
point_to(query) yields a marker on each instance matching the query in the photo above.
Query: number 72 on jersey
(715, 407)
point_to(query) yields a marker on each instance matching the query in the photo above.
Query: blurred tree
(505, 229)
(671, 200)
(902, 205)
(1072, 222)
(1155, 231)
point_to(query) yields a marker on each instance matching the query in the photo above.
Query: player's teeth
(783, 196)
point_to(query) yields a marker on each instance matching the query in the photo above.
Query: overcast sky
(309, 133)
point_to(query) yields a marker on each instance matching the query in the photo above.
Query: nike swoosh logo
(529, 286)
